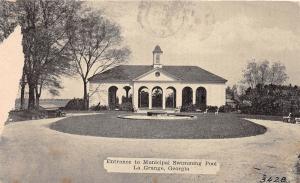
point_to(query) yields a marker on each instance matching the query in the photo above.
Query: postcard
(149, 91)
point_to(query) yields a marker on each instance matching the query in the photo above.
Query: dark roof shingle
(130, 72)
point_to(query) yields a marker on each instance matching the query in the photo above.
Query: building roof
(157, 49)
(127, 73)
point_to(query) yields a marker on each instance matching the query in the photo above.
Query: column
(178, 97)
(150, 99)
(194, 95)
(164, 98)
(135, 95)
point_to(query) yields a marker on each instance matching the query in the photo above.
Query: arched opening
(128, 96)
(113, 101)
(170, 97)
(187, 96)
(157, 97)
(143, 97)
(201, 97)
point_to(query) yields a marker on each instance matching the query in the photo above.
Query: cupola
(156, 57)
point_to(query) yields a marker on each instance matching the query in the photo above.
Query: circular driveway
(31, 152)
(205, 126)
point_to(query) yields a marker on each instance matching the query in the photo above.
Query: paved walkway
(30, 152)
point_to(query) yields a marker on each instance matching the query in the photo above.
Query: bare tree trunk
(85, 96)
(22, 96)
(23, 85)
(37, 97)
(31, 99)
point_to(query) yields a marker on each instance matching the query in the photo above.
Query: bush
(126, 106)
(22, 115)
(99, 108)
(75, 104)
(271, 100)
(211, 108)
(113, 106)
(246, 109)
(188, 108)
(201, 107)
(226, 108)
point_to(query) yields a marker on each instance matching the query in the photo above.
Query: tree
(43, 25)
(272, 99)
(23, 85)
(250, 74)
(232, 92)
(51, 78)
(262, 73)
(277, 74)
(95, 45)
(7, 19)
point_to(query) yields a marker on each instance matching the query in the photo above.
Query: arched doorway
(201, 97)
(113, 101)
(128, 96)
(170, 97)
(187, 96)
(157, 97)
(143, 97)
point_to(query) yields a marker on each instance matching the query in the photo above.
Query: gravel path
(30, 152)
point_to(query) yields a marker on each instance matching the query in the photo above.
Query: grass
(262, 117)
(206, 126)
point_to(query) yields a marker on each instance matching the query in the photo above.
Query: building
(157, 86)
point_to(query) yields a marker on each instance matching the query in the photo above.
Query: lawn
(206, 126)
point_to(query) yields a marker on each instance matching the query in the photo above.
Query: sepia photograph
(149, 91)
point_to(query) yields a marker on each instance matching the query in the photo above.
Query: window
(157, 74)
(157, 58)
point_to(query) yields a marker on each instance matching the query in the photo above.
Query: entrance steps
(144, 111)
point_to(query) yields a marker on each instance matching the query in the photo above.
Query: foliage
(226, 108)
(114, 106)
(95, 44)
(21, 115)
(8, 20)
(211, 108)
(188, 108)
(75, 104)
(271, 100)
(201, 107)
(126, 106)
(43, 25)
(126, 100)
(99, 108)
(232, 92)
(262, 73)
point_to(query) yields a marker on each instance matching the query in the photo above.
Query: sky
(220, 37)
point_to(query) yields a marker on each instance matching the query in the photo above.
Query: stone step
(155, 110)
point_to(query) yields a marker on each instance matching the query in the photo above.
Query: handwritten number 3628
(271, 179)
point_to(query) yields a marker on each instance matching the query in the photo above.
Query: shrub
(75, 104)
(188, 108)
(21, 115)
(211, 108)
(103, 107)
(126, 106)
(99, 107)
(125, 100)
(113, 106)
(201, 107)
(226, 108)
